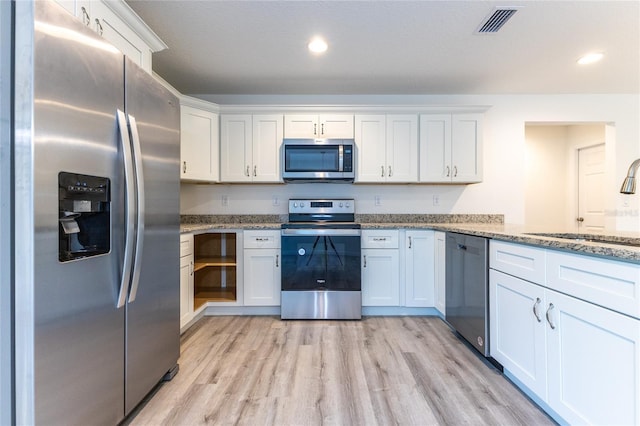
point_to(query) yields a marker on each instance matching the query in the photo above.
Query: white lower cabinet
(186, 279)
(440, 268)
(261, 268)
(419, 268)
(581, 359)
(380, 268)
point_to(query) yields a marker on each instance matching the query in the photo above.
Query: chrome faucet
(629, 184)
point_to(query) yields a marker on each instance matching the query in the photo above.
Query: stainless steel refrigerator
(95, 223)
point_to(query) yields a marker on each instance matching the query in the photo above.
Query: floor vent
(496, 20)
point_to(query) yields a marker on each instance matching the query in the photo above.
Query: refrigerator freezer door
(153, 316)
(78, 331)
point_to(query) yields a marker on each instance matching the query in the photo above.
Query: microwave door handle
(340, 158)
(140, 209)
(129, 214)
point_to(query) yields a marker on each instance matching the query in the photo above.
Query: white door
(235, 148)
(591, 189)
(440, 268)
(518, 329)
(262, 277)
(593, 363)
(301, 126)
(370, 134)
(267, 141)
(402, 148)
(380, 277)
(466, 148)
(198, 144)
(186, 289)
(338, 126)
(435, 148)
(419, 267)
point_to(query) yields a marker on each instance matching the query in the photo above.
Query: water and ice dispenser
(84, 216)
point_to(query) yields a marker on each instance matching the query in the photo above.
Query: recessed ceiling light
(590, 58)
(318, 45)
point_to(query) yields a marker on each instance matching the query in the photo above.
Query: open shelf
(215, 265)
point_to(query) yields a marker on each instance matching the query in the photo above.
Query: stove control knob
(347, 205)
(295, 205)
(301, 204)
(340, 204)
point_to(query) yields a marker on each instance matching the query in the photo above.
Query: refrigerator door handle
(140, 210)
(128, 209)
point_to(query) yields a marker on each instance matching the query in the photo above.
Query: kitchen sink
(593, 238)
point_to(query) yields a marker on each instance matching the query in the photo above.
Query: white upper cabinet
(337, 126)
(451, 148)
(387, 148)
(250, 148)
(119, 25)
(198, 145)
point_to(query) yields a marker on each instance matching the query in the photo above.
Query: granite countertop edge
(498, 231)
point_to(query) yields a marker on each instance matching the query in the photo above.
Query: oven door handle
(315, 232)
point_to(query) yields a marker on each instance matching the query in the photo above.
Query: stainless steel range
(321, 261)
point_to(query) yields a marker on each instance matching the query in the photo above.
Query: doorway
(591, 168)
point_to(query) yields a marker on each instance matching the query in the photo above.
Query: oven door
(320, 259)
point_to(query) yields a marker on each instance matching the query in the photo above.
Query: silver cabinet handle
(315, 128)
(553, 327)
(580, 219)
(277, 261)
(322, 129)
(140, 207)
(129, 212)
(85, 16)
(409, 242)
(247, 172)
(535, 311)
(99, 29)
(365, 260)
(382, 168)
(184, 167)
(455, 171)
(191, 267)
(448, 171)
(379, 238)
(255, 170)
(390, 172)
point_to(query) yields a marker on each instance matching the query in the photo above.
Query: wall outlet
(377, 201)
(225, 200)
(436, 200)
(275, 200)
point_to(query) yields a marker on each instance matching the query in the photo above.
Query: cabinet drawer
(186, 245)
(262, 239)
(518, 260)
(612, 284)
(380, 238)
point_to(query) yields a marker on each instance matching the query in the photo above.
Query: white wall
(504, 158)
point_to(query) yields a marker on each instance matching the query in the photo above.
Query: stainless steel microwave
(318, 160)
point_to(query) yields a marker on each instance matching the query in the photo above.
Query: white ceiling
(394, 47)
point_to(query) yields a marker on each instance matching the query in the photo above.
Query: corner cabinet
(451, 148)
(303, 126)
(250, 148)
(387, 148)
(581, 359)
(380, 267)
(199, 143)
(419, 268)
(262, 268)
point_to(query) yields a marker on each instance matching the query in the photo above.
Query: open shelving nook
(215, 265)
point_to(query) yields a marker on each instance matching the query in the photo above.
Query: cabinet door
(402, 148)
(420, 268)
(236, 140)
(338, 126)
(380, 277)
(440, 268)
(198, 144)
(267, 141)
(516, 319)
(262, 277)
(370, 137)
(301, 126)
(435, 148)
(186, 289)
(466, 148)
(593, 363)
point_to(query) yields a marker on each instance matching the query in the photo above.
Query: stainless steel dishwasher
(467, 288)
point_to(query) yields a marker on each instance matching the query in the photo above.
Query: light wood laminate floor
(381, 370)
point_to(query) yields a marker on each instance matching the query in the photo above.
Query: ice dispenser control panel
(84, 216)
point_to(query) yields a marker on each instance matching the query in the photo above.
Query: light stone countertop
(489, 229)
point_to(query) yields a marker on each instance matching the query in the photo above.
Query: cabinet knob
(580, 219)
(382, 169)
(448, 172)
(409, 242)
(535, 311)
(315, 129)
(277, 261)
(184, 167)
(455, 171)
(365, 261)
(255, 170)
(247, 172)
(553, 327)
(322, 129)
(390, 172)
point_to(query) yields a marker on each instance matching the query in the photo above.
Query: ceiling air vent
(496, 20)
